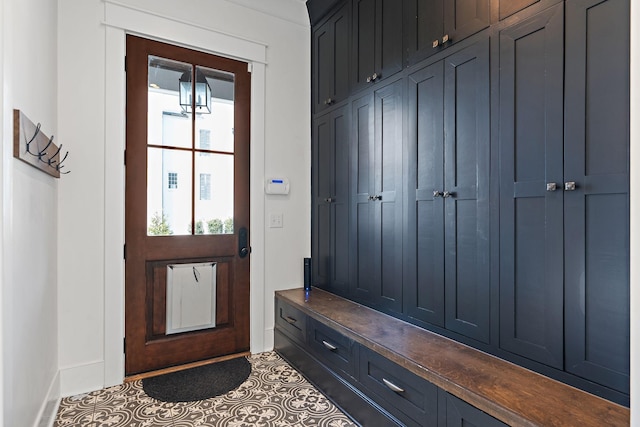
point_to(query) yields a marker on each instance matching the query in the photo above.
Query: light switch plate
(275, 220)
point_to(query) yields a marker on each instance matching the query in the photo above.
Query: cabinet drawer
(291, 320)
(333, 348)
(405, 395)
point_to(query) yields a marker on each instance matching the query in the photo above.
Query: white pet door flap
(191, 297)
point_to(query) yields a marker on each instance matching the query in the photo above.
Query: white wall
(91, 197)
(28, 218)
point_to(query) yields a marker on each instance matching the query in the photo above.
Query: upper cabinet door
(597, 207)
(423, 28)
(463, 18)
(431, 25)
(377, 41)
(331, 60)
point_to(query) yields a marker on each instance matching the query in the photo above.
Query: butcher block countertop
(510, 393)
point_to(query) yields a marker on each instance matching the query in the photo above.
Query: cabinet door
(454, 412)
(377, 197)
(463, 18)
(466, 191)
(377, 40)
(597, 211)
(331, 60)
(424, 254)
(331, 201)
(387, 194)
(362, 214)
(423, 24)
(531, 149)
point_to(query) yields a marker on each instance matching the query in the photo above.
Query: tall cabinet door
(331, 60)
(597, 210)
(466, 191)
(363, 286)
(531, 196)
(377, 197)
(377, 40)
(331, 201)
(424, 236)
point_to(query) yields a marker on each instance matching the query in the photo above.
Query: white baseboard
(49, 409)
(81, 379)
(268, 339)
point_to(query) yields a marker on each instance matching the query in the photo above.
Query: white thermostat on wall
(278, 185)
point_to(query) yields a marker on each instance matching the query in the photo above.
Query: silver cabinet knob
(329, 101)
(445, 38)
(569, 186)
(375, 76)
(369, 79)
(447, 194)
(435, 43)
(437, 193)
(377, 197)
(552, 186)
(329, 200)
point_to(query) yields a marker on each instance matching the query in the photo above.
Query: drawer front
(291, 320)
(333, 348)
(405, 395)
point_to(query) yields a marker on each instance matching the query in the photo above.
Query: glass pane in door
(169, 190)
(214, 160)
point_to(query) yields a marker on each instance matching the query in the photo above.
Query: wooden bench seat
(510, 393)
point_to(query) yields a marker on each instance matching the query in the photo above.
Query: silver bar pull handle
(329, 346)
(569, 186)
(290, 320)
(392, 386)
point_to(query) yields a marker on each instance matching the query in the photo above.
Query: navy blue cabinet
(376, 195)
(564, 192)
(531, 179)
(330, 232)
(596, 207)
(331, 53)
(432, 25)
(376, 41)
(447, 245)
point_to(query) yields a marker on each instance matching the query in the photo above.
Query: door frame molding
(122, 20)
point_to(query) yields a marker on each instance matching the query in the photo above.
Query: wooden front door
(187, 206)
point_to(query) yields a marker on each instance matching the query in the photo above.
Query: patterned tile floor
(274, 395)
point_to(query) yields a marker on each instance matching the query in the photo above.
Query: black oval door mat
(200, 383)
